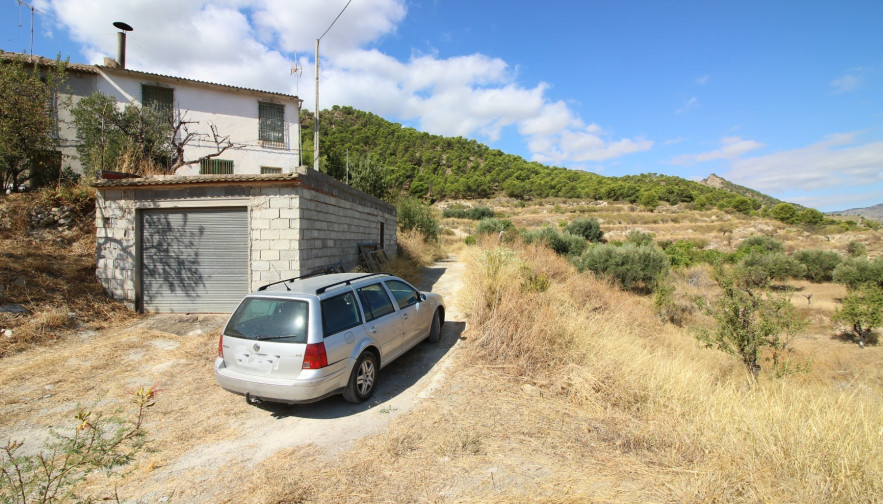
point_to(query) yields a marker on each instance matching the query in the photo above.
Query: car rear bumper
(284, 391)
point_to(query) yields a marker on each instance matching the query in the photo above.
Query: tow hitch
(250, 399)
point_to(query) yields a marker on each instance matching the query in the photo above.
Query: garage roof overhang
(292, 179)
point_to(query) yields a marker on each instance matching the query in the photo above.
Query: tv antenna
(33, 10)
(297, 71)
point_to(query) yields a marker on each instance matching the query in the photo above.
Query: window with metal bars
(214, 166)
(271, 118)
(160, 98)
(265, 170)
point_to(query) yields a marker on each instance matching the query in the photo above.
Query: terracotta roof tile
(171, 180)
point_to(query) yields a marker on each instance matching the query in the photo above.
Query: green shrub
(757, 244)
(493, 225)
(639, 238)
(475, 213)
(856, 249)
(565, 244)
(761, 243)
(760, 269)
(819, 264)
(590, 229)
(632, 267)
(414, 215)
(855, 272)
(682, 253)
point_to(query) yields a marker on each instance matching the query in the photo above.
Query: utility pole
(316, 127)
(316, 123)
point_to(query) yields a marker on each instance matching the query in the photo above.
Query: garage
(198, 244)
(193, 259)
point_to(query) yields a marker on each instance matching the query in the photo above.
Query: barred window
(265, 170)
(215, 166)
(160, 98)
(271, 118)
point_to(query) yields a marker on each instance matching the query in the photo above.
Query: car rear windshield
(269, 319)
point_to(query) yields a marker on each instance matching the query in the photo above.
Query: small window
(271, 118)
(215, 167)
(160, 98)
(267, 170)
(405, 294)
(375, 302)
(339, 313)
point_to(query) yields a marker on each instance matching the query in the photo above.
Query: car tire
(435, 328)
(362, 380)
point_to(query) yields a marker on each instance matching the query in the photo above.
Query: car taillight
(315, 356)
(221, 346)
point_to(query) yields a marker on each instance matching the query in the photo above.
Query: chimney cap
(123, 26)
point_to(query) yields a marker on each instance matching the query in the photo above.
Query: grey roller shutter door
(194, 260)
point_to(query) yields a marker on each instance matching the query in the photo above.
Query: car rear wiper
(276, 337)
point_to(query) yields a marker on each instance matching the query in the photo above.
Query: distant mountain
(722, 183)
(873, 212)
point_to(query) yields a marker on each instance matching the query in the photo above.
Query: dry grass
(50, 271)
(414, 254)
(784, 440)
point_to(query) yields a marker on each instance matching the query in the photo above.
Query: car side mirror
(422, 297)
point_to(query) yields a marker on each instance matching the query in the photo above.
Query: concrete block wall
(335, 218)
(115, 234)
(295, 226)
(275, 235)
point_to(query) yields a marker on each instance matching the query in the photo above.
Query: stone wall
(295, 226)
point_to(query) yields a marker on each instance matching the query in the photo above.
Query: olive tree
(862, 310)
(747, 320)
(28, 98)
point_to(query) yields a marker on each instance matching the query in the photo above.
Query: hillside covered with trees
(387, 160)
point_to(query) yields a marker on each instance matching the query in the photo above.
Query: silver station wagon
(304, 339)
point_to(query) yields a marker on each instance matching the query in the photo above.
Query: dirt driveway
(198, 431)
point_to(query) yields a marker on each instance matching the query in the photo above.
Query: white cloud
(852, 80)
(703, 80)
(250, 43)
(731, 148)
(837, 161)
(690, 105)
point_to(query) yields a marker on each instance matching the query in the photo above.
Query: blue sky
(785, 97)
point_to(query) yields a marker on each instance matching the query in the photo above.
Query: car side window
(339, 313)
(375, 302)
(405, 294)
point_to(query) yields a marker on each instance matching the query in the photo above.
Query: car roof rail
(321, 290)
(333, 268)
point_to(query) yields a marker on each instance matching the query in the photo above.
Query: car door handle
(372, 330)
(404, 315)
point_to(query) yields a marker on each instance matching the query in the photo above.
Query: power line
(335, 19)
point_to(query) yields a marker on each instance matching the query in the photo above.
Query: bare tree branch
(182, 136)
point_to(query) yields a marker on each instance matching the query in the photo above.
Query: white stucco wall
(234, 111)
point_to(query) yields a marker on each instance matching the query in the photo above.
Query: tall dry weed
(716, 437)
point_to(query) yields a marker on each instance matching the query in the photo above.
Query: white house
(264, 126)
(200, 239)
